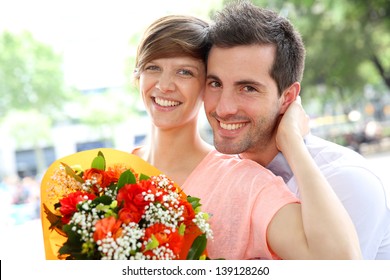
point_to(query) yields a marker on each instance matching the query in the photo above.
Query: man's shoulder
(344, 167)
(324, 151)
(339, 162)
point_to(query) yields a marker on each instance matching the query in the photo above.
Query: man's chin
(227, 149)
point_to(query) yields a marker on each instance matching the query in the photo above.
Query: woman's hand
(293, 124)
(321, 228)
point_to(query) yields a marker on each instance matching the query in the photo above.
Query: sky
(92, 35)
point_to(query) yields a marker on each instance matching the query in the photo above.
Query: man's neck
(261, 157)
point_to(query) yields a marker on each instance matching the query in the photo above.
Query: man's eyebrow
(212, 77)
(249, 82)
(239, 82)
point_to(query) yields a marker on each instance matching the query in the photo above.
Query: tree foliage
(31, 75)
(347, 43)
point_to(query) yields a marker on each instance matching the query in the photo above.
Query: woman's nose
(165, 82)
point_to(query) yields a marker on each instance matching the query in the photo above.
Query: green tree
(32, 91)
(347, 45)
(31, 75)
(131, 85)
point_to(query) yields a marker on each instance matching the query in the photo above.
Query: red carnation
(188, 212)
(69, 204)
(133, 194)
(165, 237)
(105, 226)
(101, 178)
(115, 171)
(129, 214)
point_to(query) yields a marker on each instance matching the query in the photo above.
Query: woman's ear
(289, 96)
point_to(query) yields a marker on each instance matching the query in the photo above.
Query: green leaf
(99, 162)
(152, 244)
(197, 248)
(182, 229)
(71, 173)
(55, 220)
(126, 177)
(72, 245)
(88, 248)
(104, 199)
(143, 177)
(77, 169)
(100, 153)
(194, 201)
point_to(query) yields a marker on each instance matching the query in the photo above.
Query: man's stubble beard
(254, 142)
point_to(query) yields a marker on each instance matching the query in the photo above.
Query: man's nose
(227, 104)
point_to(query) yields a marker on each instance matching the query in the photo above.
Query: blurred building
(67, 139)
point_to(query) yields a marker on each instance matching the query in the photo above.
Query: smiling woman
(95, 40)
(173, 86)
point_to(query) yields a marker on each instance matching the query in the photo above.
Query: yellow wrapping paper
(52, 239)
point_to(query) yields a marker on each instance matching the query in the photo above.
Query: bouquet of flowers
(114, 212)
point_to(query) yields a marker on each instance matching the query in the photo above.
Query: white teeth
(166, 103)
(231, 126)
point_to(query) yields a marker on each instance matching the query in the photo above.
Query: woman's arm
(319, 228)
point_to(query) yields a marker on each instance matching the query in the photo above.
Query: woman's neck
(175, 152)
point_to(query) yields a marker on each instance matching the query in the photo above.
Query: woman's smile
(165, 102)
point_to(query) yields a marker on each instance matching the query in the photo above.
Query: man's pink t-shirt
(242, 197)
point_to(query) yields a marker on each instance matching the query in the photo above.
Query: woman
(246, 201)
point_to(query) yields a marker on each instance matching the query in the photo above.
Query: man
(254, 67)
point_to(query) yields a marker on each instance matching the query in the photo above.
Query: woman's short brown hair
(171, 36)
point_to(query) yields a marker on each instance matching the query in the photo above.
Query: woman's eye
(152, 68)
(185, 72)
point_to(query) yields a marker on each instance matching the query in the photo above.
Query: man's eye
(214, 84)
(249, 89)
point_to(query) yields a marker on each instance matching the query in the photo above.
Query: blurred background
(65, 86)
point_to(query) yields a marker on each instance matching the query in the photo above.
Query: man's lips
(231, 126)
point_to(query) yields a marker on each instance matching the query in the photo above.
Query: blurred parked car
(370, 134)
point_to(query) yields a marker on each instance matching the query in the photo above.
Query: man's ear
(289, 96)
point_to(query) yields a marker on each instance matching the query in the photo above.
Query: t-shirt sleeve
(270, 200)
